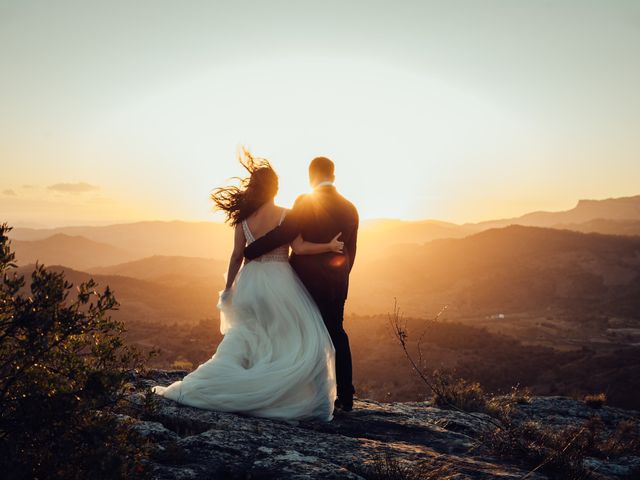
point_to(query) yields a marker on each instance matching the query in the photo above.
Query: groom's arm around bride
(317, 217)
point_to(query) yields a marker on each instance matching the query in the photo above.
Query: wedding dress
(276, 359)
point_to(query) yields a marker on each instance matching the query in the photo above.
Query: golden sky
(455, 110)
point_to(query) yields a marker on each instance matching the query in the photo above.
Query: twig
(401, 334)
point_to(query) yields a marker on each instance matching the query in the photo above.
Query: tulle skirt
(276, 359)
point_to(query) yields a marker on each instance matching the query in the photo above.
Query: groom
(319, 217)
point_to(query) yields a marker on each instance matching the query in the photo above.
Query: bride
(276, 359)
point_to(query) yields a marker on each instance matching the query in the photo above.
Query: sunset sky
(454, 110)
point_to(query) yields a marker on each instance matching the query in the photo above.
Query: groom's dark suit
(318, 217)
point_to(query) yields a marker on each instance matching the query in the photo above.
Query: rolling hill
(72, 251)
(144, 239)
(424, 264)
(506, 270)
(376, 236)
(166, 268)
(149, 301)
(601, 225)
(617, 209)
(619, 216)
(511, 269)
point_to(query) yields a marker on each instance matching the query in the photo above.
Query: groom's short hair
(321, 167)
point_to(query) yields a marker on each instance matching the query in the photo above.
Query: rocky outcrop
(410, 440)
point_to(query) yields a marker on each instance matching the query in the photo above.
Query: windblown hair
(259, 187)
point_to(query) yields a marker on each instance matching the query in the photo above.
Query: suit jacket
(318, 217)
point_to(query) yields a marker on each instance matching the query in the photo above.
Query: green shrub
(62, 377)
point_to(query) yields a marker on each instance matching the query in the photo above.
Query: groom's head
(321, 170)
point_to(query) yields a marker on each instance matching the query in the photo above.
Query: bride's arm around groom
(285, 233)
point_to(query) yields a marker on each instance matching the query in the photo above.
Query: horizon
(462, 112)
(364, 221)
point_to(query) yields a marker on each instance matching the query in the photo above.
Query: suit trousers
(332, 312)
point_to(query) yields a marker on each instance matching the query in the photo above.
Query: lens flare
(338, 261)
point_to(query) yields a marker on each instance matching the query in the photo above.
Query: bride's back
(265, 219)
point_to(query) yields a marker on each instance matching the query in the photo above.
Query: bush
(62, 376)
(555, 452)
(457, 393)
(561, 452)
(387, 467)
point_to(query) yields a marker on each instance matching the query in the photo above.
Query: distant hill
(143, 239)
(554, 287)
(73, 251)
(478, 269)
(512, 269)
(609, 227)
(376, 236)
(147, 301)
(620, 216)
(160, 267)
(619, 209)
(499, 270)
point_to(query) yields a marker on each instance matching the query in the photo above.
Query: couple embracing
(285, 353)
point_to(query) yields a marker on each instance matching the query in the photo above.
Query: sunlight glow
(533, 108)
(390, 132)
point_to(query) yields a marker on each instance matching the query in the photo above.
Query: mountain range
(540, 260)
(621, 209)
(505, 270)
(619, 216)
(72, 250)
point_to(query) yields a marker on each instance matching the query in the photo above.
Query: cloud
(79, 187)
(8, 191)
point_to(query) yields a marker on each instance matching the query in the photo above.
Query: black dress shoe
(344, 405)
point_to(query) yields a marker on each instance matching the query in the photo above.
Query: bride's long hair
(261, 186)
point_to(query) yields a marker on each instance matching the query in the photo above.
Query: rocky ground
(374, 441)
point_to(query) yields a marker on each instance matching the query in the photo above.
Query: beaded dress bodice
(280, 254)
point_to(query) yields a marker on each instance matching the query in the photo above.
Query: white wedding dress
(276, 359)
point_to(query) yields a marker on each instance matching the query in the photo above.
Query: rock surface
(410, 437)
